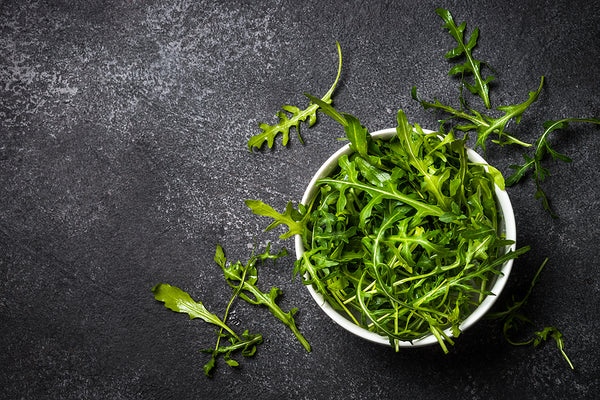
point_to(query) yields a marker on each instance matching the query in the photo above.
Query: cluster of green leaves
(513, 318)
(472, 120)
(180, 301)
(291, 117)
(404, 239)
(243, 279)
(468, 119)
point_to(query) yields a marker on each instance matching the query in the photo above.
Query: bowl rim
(508, 220)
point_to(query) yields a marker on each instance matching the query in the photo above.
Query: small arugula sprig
(269, 132)
(291, 217)
(542, 147)
(471, 66)
(243, 279)
(483, 125)
(513, 317)
(247, 345)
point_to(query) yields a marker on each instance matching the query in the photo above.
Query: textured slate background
(123, 163)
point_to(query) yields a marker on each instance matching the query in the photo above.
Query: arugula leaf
(498, 124)
(244, 279)
(221, 260)
(542, 147)
(269, 132)
(356, 133)
(327, 109)
(513, 315)
(433, 179)
(482, 124)
(555, 334)
(179, 301)
(471, 66)
(388, 192)
(290, 217)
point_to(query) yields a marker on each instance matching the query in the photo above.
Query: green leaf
(388, 192)
(497, 125)
(243, 278)
(179, 301)
(471, 66)
(327, 109)
(291, 117)
(558, 338)
(481, 124)
(433, 180)
(357, 134)
(290, 217)
(497, 175)
(220, 256)
(247, 345)
(210, 365)
(512, 316)
(520, 170)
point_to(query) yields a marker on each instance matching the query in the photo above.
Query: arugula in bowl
(408, 238)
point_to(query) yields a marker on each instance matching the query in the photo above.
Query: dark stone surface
(123, 163)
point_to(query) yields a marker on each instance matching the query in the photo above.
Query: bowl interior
(508, 227)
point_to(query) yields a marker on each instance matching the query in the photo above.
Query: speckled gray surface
(123, 162)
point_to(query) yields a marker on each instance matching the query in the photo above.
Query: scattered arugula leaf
(247, 344)
(513, 316)
(269, 132)
(471, 66)
(484, 125)
(235, 342)
(179, 301)
(243, 280)
(542, 147)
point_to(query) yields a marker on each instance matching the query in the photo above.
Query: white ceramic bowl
(508, 227)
